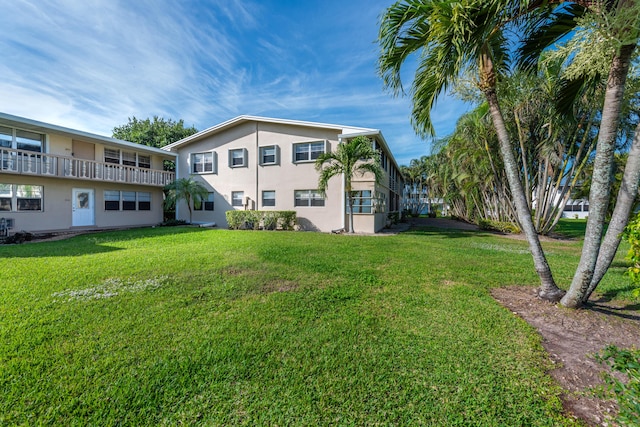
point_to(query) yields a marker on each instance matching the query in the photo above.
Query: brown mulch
(572, 337)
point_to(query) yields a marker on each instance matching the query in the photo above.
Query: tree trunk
(548, 289)
(601, 182)
(350, 196)
(624, 204)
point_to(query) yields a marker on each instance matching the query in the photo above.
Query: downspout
(343, 206)
(257, 165)
(175, 177)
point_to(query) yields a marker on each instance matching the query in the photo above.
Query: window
(111, 200)
(128, 200)
(206, 204)
(237, 198)
(128, 158)
(21, 139)
(308, 151)
(308, 198)
(362, 202)
(268, 198)
(29, 197)
(203, 162)
(144, 201)
(112, 155)
(144, 161)
(20, 197)
(269, 155)
(6, 196)
(237, 158)
(6, 137)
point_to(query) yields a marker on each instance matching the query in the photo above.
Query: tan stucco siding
(284, 178)
(56, 211)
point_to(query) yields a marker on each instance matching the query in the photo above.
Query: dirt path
(572, 337)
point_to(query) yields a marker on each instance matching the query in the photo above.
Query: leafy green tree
(154, 133)
(187, 189)
(350, 158)
(455, 38)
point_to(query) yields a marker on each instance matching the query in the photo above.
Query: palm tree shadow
(628, 311)
(445, 232)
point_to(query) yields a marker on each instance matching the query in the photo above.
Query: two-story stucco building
(269, 164)
(55, 179)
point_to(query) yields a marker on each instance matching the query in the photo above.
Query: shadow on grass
(446, 232)
(90, 243)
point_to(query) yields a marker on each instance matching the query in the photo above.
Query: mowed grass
(186, 326)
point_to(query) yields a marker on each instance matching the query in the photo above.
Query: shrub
(632, 235)
(393, 217)
(267, 220)
(627, 393)
(287, 219)
(501, 226)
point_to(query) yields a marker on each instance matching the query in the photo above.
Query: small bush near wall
(501, 226)
(266, 220)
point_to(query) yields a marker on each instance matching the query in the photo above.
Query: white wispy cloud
(92, 64)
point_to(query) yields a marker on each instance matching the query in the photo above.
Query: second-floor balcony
(55, 166)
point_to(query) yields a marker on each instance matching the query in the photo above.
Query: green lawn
(174, 326)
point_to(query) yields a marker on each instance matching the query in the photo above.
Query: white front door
(83, 206)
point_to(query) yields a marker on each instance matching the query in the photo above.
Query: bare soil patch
(572, 338)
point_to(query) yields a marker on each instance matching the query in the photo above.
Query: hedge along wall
(267, 220)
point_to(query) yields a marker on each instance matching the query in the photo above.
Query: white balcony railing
(51, 165)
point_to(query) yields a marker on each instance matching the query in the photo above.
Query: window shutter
(245, 157)
(277, 148)
(214, 160)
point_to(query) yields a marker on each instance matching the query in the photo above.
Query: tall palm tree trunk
(350, 198)
(624, 203)
(548, 289)
(601, 183)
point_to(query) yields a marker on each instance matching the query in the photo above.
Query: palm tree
(187, 189)
(453, 38)
(355, 156)
(618, 23)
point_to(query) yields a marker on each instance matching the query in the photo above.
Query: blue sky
(91, 64)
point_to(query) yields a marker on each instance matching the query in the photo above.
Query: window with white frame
(238, 158)
(362, 202)
(127, 200)
(269, 155)
(308, 151)
(126, 158)
(112, 155)
(19, 139)
(308, 198)
(206, 204)
(144, 201)
(269, 198)
(203, 162)
(111, 200)
(144, 161)
(6, 197)
(18, 198)
(237, 198)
